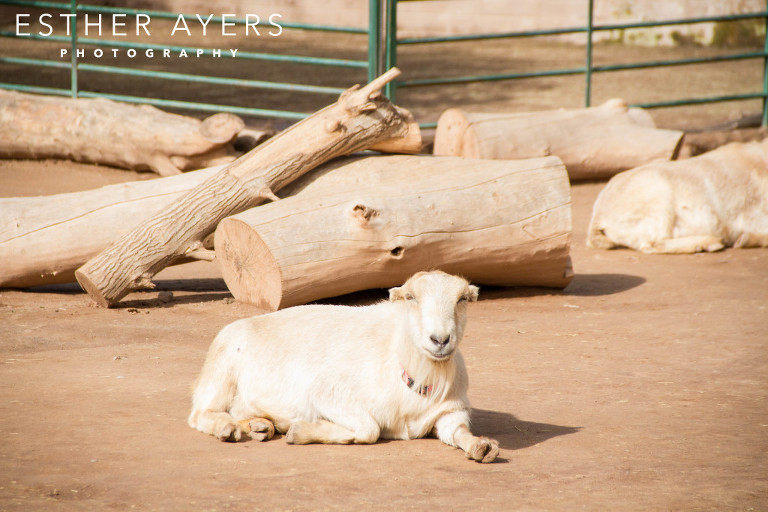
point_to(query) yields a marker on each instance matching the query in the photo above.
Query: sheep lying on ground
(715, 200)
(339, 375)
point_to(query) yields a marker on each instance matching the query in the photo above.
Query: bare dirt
(642, 386)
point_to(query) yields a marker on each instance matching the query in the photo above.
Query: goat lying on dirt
(339, 375)
(705, 203)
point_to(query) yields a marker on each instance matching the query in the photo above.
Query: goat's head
(436, 305)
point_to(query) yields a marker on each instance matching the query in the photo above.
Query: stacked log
(138, 137)
(593, 143)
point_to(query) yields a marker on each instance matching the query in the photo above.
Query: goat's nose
(440, 341)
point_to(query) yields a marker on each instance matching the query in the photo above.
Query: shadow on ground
(583, 285)
(513, 433)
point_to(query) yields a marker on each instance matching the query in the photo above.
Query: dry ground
(642, 386)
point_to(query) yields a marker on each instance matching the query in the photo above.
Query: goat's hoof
(229, 432)
(484, 450)
(293, 436)
(261, 429)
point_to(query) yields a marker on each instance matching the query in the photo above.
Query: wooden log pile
(350, 224)
(362, 118)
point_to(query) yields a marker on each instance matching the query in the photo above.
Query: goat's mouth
(440, 355)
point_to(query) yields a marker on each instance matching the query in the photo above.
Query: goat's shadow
(513, 433)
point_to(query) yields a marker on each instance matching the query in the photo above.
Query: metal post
(73, 35)
(374, 39)
(390, 47)
(765, 72)
(588, 67)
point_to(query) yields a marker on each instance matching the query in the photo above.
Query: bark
(592, 142)
(139, 137)
(362, 118)
(371, 222)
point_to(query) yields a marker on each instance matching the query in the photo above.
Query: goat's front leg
(259, 429)
(326, 432)
(453, 430)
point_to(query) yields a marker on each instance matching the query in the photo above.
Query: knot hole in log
(363, 213)
(397, 252)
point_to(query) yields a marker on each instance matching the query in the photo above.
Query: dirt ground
(641, 386)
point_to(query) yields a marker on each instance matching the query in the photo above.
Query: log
(362, 118)
(43, 240)
(371, 222)
(139, 137)
(593, 142)
(697, 143)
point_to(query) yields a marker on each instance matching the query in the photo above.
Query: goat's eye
(462, 299)
(408, 296)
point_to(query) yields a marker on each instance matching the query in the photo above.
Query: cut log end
(221, 128)
(449, 137)
(92, 289)
(247, 265)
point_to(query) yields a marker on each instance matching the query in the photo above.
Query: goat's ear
(472, 293)
(396, 294)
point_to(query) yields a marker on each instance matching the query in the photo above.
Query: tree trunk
(362, 118)
(592, 142)
(43, 240)
(111, 133)
(371, 222)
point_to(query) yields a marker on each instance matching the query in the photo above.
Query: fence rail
(74, 40)
(393, 42)
(382, 48)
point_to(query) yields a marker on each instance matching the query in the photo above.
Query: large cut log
(362, 118)
(371, 222)
(43, 240)
(111, 133)
(593, 142)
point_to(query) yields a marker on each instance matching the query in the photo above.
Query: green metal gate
(393, 43)
(382, 42)
(372, 64)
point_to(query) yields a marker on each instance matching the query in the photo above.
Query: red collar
(422, 390)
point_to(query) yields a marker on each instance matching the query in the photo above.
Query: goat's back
(723, 193)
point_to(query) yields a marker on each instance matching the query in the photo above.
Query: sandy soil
(642, 386)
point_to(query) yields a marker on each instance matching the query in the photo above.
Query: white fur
(716, 200)
(333, 374)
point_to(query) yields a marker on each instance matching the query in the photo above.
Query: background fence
(383, 47)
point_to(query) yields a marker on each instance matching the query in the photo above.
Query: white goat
(715, 200)
(339, 375)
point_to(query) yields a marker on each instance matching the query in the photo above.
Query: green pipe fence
(589, 68)
(382, 43)
(372, 65)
